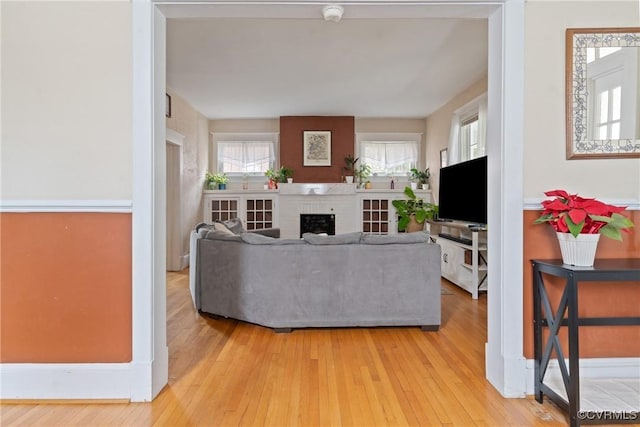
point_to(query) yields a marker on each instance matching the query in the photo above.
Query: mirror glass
(603, 93)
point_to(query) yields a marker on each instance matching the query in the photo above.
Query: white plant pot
(424, 186)
(349, 179)
(289, 180)
(579, 251)
(414, 185)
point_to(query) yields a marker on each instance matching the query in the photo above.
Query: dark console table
(544, 316)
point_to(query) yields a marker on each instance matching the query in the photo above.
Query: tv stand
(464, 254)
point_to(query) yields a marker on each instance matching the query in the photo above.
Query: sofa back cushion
(216, 234)
(378, 239)
(338, 239)
(259, 239)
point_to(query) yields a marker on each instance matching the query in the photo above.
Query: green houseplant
(413, 212)
(350, 167)
(273, 176)
(221, 179)
(421, 176)
(362, 173)
(285, 174)
(209, 180)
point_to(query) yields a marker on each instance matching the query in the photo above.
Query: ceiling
(368, 68)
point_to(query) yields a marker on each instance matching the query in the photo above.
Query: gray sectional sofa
(317, 281)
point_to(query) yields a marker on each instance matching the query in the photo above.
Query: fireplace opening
(318, 223)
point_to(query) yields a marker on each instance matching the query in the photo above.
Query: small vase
(289, 180)
(349, 179)
(211, 185)
(579, 251)
(222, 186)
(414, 185)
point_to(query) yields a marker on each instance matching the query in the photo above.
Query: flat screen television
(462, 195)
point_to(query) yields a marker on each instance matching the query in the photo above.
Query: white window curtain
(477, 106)
(239, 154)
(389, 157)
(245, 157)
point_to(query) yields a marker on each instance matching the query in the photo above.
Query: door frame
(505, 362)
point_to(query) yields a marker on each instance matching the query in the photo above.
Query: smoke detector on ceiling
(332, 12)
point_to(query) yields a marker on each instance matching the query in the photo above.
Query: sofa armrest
(271, 232)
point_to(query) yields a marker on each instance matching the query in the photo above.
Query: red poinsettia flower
(570, 213)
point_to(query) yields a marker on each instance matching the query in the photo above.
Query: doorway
(504, 355)
(175, 252)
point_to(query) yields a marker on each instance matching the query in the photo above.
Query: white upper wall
(66, 101)
(545, 166)
(439, 127)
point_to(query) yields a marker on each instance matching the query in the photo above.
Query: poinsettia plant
(570, 213)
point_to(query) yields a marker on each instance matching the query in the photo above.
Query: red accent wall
(65, 287)
(291, 149)
(595, 299)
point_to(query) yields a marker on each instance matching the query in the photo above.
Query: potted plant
(273, 176)
(413, 212)
(285, 175)
(220, 179)
(362, 173)
(209, 181)
(421, 177)
(349, 168)
(579, 222)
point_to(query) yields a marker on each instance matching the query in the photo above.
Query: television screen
(462, 195)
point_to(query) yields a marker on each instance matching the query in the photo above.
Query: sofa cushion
(259, 239)
(221, 228)
(234, 225)
(338, 239)
(378, 239)
(215, 234)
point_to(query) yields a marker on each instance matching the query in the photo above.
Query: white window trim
(242, 136)
(391, 136)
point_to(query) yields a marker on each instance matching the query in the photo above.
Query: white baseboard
(620, 367)
(65, 381)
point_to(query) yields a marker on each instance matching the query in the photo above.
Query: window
(389, 154)
(467, 139)
(245, 154)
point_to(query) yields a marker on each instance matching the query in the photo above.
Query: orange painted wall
(65, 287)
(595, 299)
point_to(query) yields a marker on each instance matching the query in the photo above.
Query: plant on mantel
(284, 173)
(570, 213)
(350, 166)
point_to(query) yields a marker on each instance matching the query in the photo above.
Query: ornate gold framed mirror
(603, 92)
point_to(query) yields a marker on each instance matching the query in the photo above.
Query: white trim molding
(174, 137)
(65, 381)
(612, 367)
(536, 204)
(106, 206)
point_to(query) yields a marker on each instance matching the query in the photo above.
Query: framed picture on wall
(443, 157)
(317, 148)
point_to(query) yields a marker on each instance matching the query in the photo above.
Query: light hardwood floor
(224, 372)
